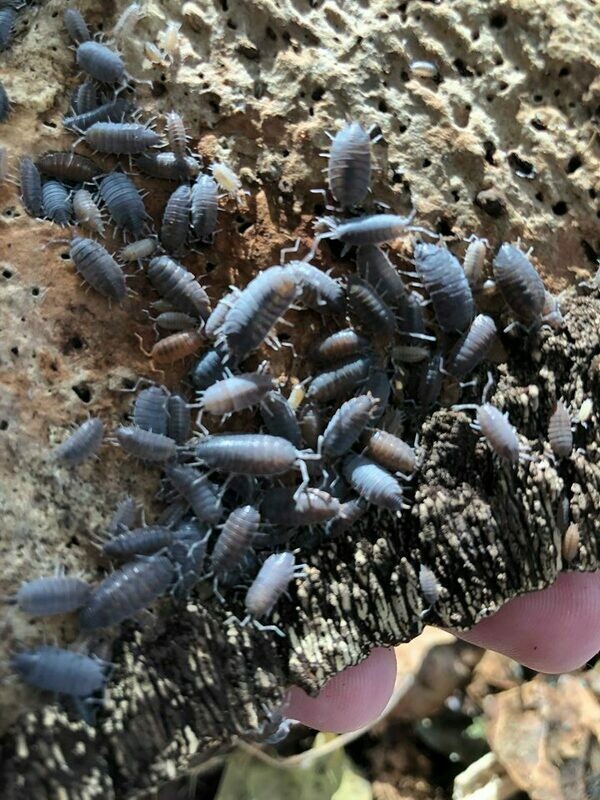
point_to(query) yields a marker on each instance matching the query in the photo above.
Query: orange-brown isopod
(174, 348)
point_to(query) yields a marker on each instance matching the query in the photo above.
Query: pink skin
(554, 630)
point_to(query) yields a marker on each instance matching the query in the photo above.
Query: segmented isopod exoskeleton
(264, 300)
(197, 490)
(100, 62)
(3, 164)
(219, 313)
(250, 454)
(379, 386)
(410, 354)
(410, 322)
(136, 251)
(585, 412)
(127, 21)
(269, 585)
(31, 187)
(205, 207)
(207, 370)
(145, 445)
(124, 516)
(171, 39)
(429, 584)
(423, 69)
(138, 542)
(521, 286)
(372, 482)
(175, 347)
(474, 262)
(551, 313)
(350, 512)
(121, 138)
(430, 382)
(83, 443)
(349, 165)
(7, 22)
(180, 419)
(177, 285)
(236, 538)
(500, 434)
(188, 553)
(447, 286)
(4, 104)
(85, 97)
(370, 308)
(56, 594)
(340, 345)
(167, 166)
(76, 25)
(347, 424)
(560, 434)
(98, 268)
(87, 213)
(150, 409)
(317, 289)
(377, 269)
(124, 203)
(284, 506)
(235, 393)
(391, 452)
(473, 347)
(114, 111)
(176, 220)
(56, 202)
(68, 167)
(340, 380)
(176, 135)
(279, 418)
(570, 542)
(311, 425)
(60, 671)
(126, 591)
(375, 229)
(227, 179)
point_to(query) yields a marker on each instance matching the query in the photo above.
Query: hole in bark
(560, 208)
(83, 392)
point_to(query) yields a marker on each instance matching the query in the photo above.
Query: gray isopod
(349, 166)
(391, 452)
(430, 382)
(113, 111)
(340, 345)
(176, 134)
(500, 434)
(379, 386)
(372, 482)
(340, 380)
(150, 409)
(121, 138)
(180, 419)
(235, 393)
(176, 220)
(311, 425)
(124, 516)
(82, 444)
(138, 542)
(560, 434)
(283, 505)
(85, 97)
(429, 584)
(349, 514)
(269, 585)
(347, 424)
(197, 490)
(521, 287)
(214, 323)
(60, 671)
(188, 553)
(31, 187)
(98, 268)
(376, 268)
(87, 213)
(124, 203)
(76, 25)
(8, 16)
(411, 323)
(126, 591)
(205, 195)
(264, 300)
(136, 251)
(57, 594)
(208, 369)
(56, 201)
(177, 285)
(4, 104)
(374, 229)
(168, 166)
(145, 445)
(235, 540)
(100, 62)
(68, 166)
(473, 347)
(279, 418)
(373, 312)
(318, 290)
(447, 286)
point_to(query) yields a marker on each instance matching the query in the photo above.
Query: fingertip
(349, 700)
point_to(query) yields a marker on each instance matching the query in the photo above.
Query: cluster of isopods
(227, 520)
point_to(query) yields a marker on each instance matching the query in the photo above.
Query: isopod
(124, 203)
(318, 290)
(279, 418)
(121, 138)
(60, 671)
(372, 482)
(100, 62)
(349, 514)
(56, 202)
(82, 444)
(284, 506)
(500, 434)
(236, 538)
(177, 285)
(7, 23)
(4, 104)
(188, 554)
(167, 165)
(138, 542)
(176, 220)
(560, 434)
(219, 313)
(98, 268)
(180, 419)
(340, 380)
(474, 262)
(3, 164)
(150, 410)
(585, 412)
(85, 97)
(570, 542)
(124, 516)
(227, 179)
(113, 111)
(376, 268)
(430, 586)
(447, 286)
(31, 187)
(347, 424)
(375, 229)
(87, 213)
(379, 386)
(340, 345)
(235, 393)
(136, 251)
(126, 591)
(269, 585)
(521, 287)
(76, 26)
(57, 594)
(170, 39)
(370, 308)
(176, 135)
(349, 165)
(127, 21)
(197, 490)
(175, 347)
(391, 452)
(311, 425)
(68, 167)
(145, 445)
(208, 369)
(204, 207)
(473, 347)
(423, 69)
